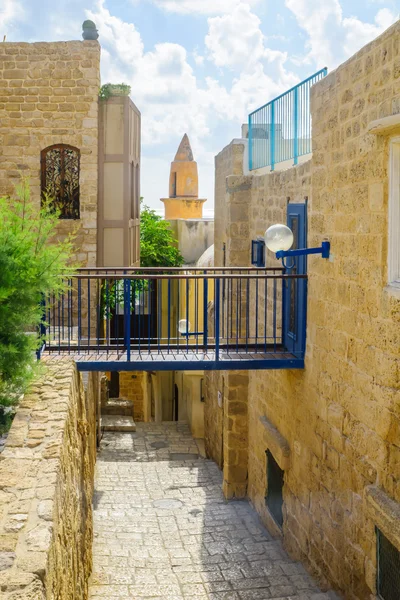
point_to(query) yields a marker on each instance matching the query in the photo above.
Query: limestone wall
(49, 95)
(335, 427)
(132, 387)
(194, 237)
(46, 486)
(228, 162)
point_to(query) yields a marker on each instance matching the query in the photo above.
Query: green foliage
(108, 89)
(158, 247)
(30, 267)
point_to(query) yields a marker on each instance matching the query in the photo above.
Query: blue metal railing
(110, 318)
(281, 130)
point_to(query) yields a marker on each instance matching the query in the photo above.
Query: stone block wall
(132, 387)
(46, 488)
(49, 95)
(228, 162)
(339, 419)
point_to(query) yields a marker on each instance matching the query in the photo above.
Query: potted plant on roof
(114, 89)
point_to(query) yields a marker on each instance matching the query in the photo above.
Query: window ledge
(276, 443)
(385, 126)
(393, 290)
(384, 512)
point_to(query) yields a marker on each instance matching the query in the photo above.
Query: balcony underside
(177, 359)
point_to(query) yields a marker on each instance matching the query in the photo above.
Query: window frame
(394, 214)
(381, 565)
(43, 181)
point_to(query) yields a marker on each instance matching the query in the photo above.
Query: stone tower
(183, 201)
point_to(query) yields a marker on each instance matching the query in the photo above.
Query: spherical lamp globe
(184, 326)
(278, 237)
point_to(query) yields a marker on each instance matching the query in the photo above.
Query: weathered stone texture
(164, 532)
(340, 416)
(228, 162)
(46, 488)
(131, 387)
(49, 95)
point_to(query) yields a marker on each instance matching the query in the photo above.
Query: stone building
(323, 443)
(184, 209)
(183, 201)
(83, 151)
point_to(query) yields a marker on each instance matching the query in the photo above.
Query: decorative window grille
(388, 580)
(60, 166)
(274, 497)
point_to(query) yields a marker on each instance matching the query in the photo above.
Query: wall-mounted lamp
(184, 328)
(279, 239)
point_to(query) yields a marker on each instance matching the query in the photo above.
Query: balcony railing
(281, 130)
(125, 319)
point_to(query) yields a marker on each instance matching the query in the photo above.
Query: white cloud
(235, 40)
(165, 86)
(11, 12)
(331, 37)
(163, 83)
(118, 36)
(358, 33)
(173, 100)
(198, 58)
(202, 7)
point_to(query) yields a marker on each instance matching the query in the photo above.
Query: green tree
(158, 246)
(32, 264)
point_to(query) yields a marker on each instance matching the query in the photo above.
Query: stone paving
(163, 531)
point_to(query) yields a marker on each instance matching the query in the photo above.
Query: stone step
(118, 406)
(117, 423)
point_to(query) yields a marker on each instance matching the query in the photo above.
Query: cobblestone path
(162, 529)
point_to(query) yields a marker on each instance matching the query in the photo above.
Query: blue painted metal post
(296, 126)
(79, 313)
(217, 323)
(205, 312)
(272, 136)
(250, 146)
(127, 317)
(42, 329)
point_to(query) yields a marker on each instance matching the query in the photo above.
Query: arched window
(60, 165)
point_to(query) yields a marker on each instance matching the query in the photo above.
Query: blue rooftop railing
(281, 130)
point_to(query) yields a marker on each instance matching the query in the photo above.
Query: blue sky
(199, 66)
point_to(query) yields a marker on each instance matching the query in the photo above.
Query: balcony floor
(176, 359)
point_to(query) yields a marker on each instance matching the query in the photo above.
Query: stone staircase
(116, 415)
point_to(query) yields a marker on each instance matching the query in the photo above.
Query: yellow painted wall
(183, 208)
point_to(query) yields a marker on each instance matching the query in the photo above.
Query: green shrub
(32, 264)
(158, 246)
(114, 89)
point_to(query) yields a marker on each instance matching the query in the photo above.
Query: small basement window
(274, 497)
(388, 576)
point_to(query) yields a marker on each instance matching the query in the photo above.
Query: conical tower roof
(184, 153)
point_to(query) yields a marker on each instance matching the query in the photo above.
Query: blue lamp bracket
(324, 250)
(188, 334)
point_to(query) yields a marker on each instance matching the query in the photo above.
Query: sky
(200, 66)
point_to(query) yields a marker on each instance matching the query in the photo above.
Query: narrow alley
(162, 529)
